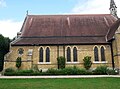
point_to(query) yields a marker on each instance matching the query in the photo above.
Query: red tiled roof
(65, 29)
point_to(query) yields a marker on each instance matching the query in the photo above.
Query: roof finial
(27, 12)
(113, 8)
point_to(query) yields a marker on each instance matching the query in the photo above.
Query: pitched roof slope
(112, 30)
(65, 29)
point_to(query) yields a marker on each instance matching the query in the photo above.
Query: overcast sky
(13, 12)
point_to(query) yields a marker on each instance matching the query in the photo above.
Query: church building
(44, 38)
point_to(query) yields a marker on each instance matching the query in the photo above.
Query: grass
(84, 83)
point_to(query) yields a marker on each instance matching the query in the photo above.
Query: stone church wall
(30, 60)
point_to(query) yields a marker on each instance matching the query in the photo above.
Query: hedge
(101, 70)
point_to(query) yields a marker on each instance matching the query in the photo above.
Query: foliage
(101, 70)
(9, 70)
(74, 71)
(53, 72)
(35, 68)
(4, 44)
(61, 62)
(12, 72)
(112, 72)
(25, 71)
(18, 62)
(4, 48)
(66, 71)
(87, 62)
(1, 61)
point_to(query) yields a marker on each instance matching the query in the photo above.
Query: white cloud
(95, 7)
(9, 28)
(2, 3)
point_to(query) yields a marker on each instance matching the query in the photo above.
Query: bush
(19, 73)
(53, 72)
(87, 62)
(25, 71)
(35, 68)
(68, 71)
(100, 70)
(112, 72)
(61, 62)
(9, 70)
(18, 62)
(73, 71)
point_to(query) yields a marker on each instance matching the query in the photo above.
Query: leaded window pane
(102, 54)
(47, 54)
(41, 55)
(75, 54)
(96, 54)
(68, 55)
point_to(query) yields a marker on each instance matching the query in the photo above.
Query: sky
(13, 12)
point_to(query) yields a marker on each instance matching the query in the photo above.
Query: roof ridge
(61, 36)
(69, 15)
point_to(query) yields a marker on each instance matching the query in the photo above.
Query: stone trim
(47, 63)
(15, 61)
(72, 62)
(99, 62)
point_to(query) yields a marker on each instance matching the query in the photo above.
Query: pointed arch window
(41, 55)
(75, 54)
(68, 54)
(96, 57)
(102, 54)
(47, 54)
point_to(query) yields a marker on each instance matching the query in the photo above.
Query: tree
(87, 62)
(61, 62)
(18, 62)
(4, 48)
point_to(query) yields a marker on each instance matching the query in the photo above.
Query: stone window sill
(72, 62)
(44, 62)
(99, 62)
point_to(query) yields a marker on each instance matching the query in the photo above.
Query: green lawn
(88, 83)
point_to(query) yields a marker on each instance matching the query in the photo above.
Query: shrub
(53, 72)
(20, 73)
(18, 62)
(35, 68)
(68, 71)
(71, 71)
(25, 71)
(102, 70)
(9, 70)
(75, 71)
(65, 71)
(112, 72)
(61, 62)
(87, 62)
